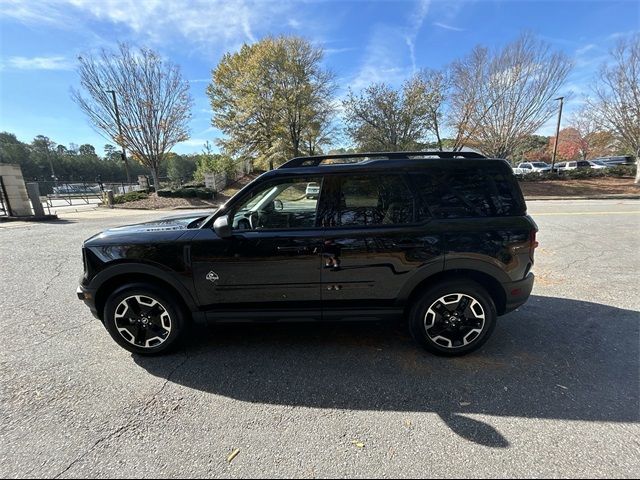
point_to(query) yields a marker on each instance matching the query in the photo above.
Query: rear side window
(375, 199)
(467, 192)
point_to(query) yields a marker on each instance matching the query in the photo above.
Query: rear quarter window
(467, 192)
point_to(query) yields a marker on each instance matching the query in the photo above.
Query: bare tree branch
(154, 101)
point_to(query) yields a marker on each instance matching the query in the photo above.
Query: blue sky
(364, 42)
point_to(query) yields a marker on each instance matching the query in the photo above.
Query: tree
(616, 95)
(209, 162)
(43, 151)
(383, 119)
(437, 85)
(271, 99)
(499, 99)
(532, 148)
(571, 145)
(180, 167)
(154, 102)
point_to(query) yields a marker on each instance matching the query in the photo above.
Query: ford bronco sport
(441, 239)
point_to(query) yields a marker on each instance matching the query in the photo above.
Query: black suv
(439, 238)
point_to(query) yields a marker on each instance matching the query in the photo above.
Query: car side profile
(534, 167)
(440, 239)
(574, 165)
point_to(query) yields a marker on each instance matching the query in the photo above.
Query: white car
(313, 190)
(537, 167)
(564, 166)
(598, 164)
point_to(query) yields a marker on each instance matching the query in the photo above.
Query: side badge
(212, 276)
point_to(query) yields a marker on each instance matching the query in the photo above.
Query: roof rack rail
(365, 157)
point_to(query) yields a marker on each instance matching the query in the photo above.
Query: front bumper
(88, 296)
(518, 292)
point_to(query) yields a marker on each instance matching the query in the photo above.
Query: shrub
(188, 192)
(130, 197)
(622, 171)
(581, 173)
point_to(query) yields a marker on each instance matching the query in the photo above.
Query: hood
(164, 229)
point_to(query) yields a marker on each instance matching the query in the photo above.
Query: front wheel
(144, 319)
(454, 318)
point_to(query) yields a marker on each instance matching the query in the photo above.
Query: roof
(361, 158)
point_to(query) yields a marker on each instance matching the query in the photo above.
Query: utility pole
(555, 146)
(124, 153)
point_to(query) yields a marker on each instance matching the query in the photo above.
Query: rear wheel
(454, 318)
(144, 319)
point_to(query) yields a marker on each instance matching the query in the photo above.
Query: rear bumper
(517, 293)
(88, 296)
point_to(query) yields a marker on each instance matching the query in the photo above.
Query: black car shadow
(554, 358)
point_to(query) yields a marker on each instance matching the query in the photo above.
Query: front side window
(280, 204)
(368, 200)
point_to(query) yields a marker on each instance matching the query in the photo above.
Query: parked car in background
(598, 164)
(564, 166)
(619, 160)
(313, 190)
(537, 167)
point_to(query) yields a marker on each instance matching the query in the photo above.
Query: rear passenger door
(374, 240)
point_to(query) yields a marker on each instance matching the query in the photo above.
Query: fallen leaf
(233, 455)
(357, 443)
(407, 423)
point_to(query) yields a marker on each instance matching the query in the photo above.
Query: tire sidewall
(422, 304)
(168, 301)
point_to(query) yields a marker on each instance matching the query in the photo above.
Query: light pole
(124, 153)
(555, 146)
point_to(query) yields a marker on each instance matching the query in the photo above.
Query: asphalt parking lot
(555, 392)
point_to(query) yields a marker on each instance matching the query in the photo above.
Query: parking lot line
(583, 213)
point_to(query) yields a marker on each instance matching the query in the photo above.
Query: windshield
(540, 165)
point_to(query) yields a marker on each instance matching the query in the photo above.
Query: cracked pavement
(555, 391)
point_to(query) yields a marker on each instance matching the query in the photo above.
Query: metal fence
(61, 194)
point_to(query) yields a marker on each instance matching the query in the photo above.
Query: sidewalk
(609, 196)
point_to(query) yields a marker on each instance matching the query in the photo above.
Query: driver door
(272, 262)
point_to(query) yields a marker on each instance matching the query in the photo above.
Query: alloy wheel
(454, 320)
(142, 321)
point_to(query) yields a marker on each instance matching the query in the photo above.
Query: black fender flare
(431, 271)
(133, 268)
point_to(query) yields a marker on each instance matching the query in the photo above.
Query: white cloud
(448, 27)
(38, 63)
(203, 23)
(195, 142)
(383, 60)
(335, 51)
(415, 24)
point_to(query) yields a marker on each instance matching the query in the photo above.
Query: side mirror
(221, 227)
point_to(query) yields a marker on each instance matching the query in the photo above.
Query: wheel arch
(489, 282)
(111, 279)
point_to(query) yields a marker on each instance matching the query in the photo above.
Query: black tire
(451, 333)
(123, 321)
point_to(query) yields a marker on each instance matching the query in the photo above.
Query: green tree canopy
(272, 99)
